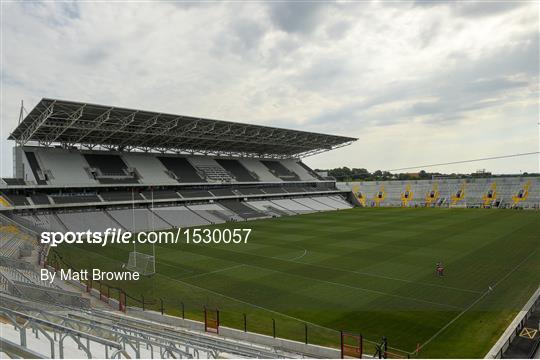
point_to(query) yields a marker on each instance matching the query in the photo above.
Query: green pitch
(370, 271)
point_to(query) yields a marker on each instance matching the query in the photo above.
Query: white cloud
(417, 83)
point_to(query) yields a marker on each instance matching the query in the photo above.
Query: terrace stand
(211, 320)
(351, 345)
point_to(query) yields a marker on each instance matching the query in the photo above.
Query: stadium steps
(168, 333)
(238, 170)
(160, 217)
(308, 206)
(244, 211)
(59, 221)
(200, 214)
(326, 204)
(278, 212)
(290, 211)
(114, 220)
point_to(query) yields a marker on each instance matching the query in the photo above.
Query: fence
(515, 327)
(277, 327)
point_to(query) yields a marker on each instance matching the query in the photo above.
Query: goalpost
(144, 264)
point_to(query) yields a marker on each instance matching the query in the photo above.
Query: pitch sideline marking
(476, 301)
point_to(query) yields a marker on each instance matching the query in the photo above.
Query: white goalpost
(144, 264)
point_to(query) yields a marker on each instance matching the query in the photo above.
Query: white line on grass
(360, 288)
(213, 272)
(359, 272)
(266, 309)
(246, 302)
(476, 301)
(390, 278)
(295, 258)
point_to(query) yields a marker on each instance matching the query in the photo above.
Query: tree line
(361, 174)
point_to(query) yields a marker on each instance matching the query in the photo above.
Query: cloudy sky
(417, 83)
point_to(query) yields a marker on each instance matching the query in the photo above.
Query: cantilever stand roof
(73, 123)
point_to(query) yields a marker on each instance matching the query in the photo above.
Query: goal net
(144, 264)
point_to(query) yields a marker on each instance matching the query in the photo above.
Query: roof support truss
(71, 124)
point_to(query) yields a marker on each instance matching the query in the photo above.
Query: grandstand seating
(39, 176)
(149, 168)
(274, 190)
(250, 191)
(280, 171)
(74, 199)
(292, 206)
(503, 189)
(16, 200)
(295, 189)
(64, 167)
(70, 167)
(181, 170)
(313, 204)
(137, 220)
(10, 244)
(212, 170)
(14, 181)
(270, 208)
(261, 171)
(179, 216)
(299, 169)
(211, 212)
(160, 194)
(192, 194)
(87, 220)
(238, 170)
(120, 195)
(49, 222)
(223, 192)
(24, 276)
(242, 210)
(108, 165)
(334, 201)
(105, 333)
(310, 171)
(40, 199)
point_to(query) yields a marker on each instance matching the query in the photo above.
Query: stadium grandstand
(75, 157)
(80, 166)
(497, 192)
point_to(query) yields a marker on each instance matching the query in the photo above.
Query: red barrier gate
(351, 345)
